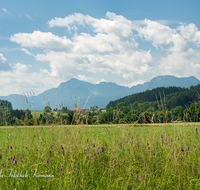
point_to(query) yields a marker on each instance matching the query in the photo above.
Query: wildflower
(172, 153)
(102, 149)
(97, 152)
(127, 141)
(188, 147)
(102, 163)
(89, 162)
(144, 163)
(146, 175)
(123, 160)
(8, 158)
(26, 147)
(196, 130)
(75, 182)
(94, 153)
(120, 143)
(114, 161)
(148, 147)
(182, 149)
(61, 169)
(93, 145)
(47, 160)
(176, 171)
(186, 153)
(21, 158)
(161, 136)
(10, 147)
(15, 161)
(136, 177)
(74, 169)
(7, 166)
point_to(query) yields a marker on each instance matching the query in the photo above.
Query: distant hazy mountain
(100, 94)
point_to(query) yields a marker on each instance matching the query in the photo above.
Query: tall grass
(100, 157)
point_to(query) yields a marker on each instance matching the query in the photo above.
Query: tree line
(160, 105)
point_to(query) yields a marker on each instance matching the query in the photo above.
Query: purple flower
(172, 153)
(61, 169)
(47, 160)
(89, 162)
(136, 177)
(188, 147)
(74, 169)
(94, 153)
(102, 163)
(176, 171)
(75, 182)
(148, 147)
(93, 145)
(127, 141)
(97, 152)
(15, 161)
(186, 153)
(182, 149)
(146, 175)
(7, 166)
(161, 136)
(114, 161)
(120, 143)
(123, 160)
(144, 163)
(196, 129)
(10, 147)
(26, 147)
(8, 158)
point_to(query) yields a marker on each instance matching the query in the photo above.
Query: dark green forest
(160, 105)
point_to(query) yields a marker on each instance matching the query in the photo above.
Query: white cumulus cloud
(111, 46)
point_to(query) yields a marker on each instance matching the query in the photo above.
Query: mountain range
(98, 94)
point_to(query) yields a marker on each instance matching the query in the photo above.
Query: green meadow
(152, 156)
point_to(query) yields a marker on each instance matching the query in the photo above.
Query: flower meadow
(163, 156)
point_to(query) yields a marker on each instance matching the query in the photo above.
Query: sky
(44, 43)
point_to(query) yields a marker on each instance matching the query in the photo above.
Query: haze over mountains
(100, 94)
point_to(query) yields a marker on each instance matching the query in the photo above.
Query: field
(154, 156)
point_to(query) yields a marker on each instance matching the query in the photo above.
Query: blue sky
(44, 43)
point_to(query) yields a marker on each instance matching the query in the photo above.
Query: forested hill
(170, 96)
(5, 104)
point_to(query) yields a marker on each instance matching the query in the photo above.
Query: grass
(101, 157)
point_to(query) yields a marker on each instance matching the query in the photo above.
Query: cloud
(5, 10)
(4, 65)
(110, 46)
(20, 79)
(29, 17)
(26, 51)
